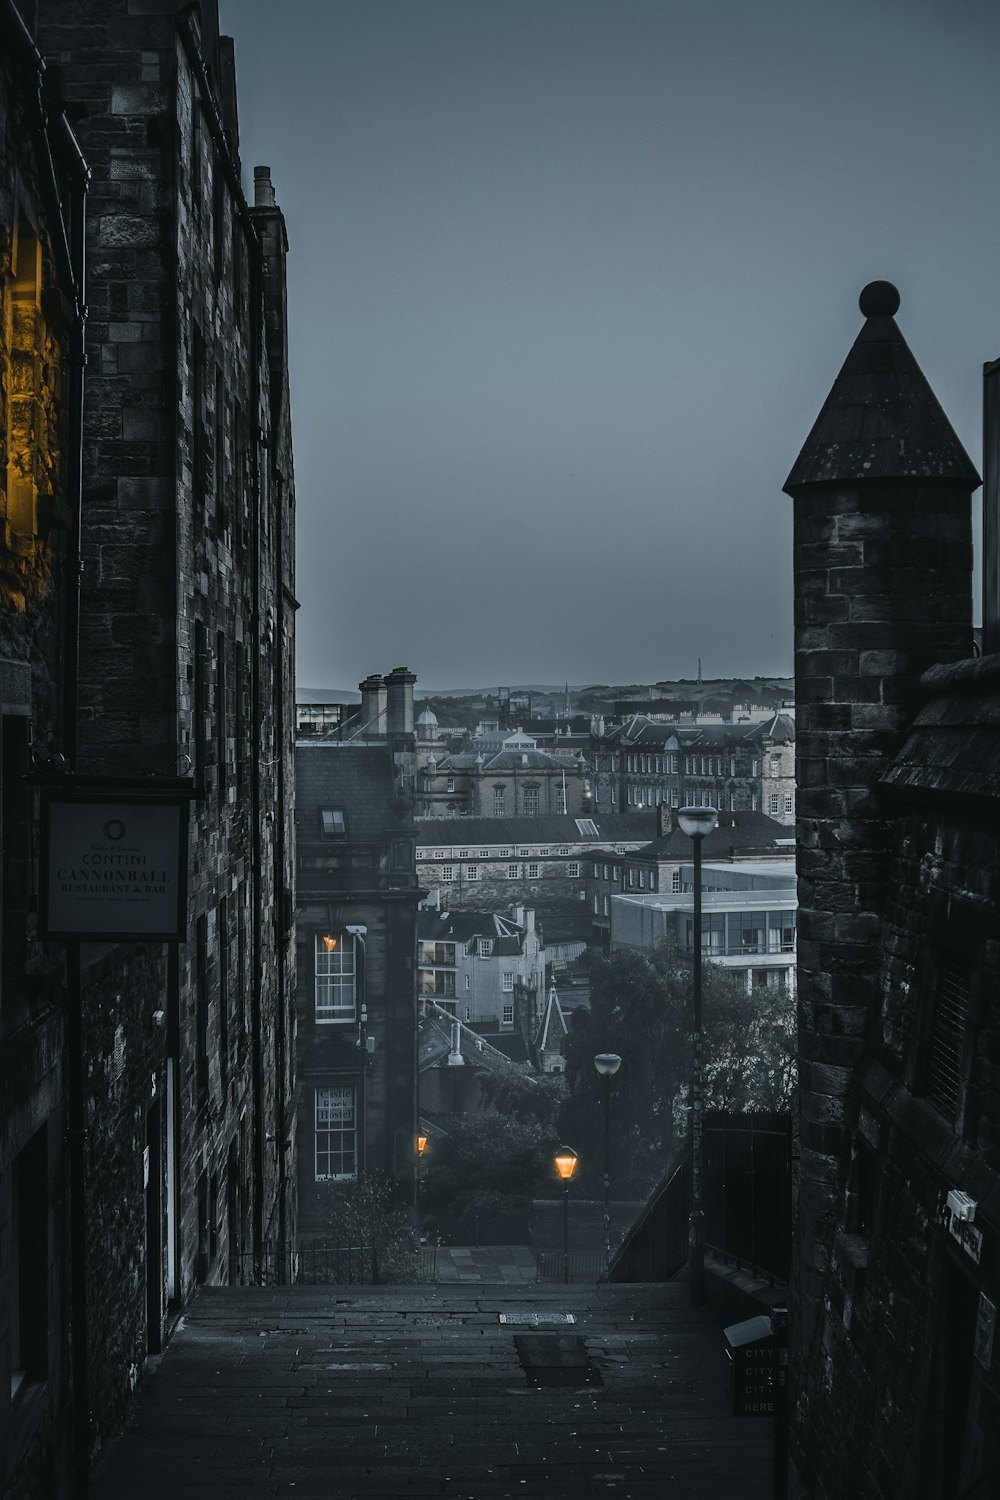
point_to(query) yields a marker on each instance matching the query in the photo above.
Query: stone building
(492, 864)
(42, 193)
(184, 646)
(474, 964)
(356, 931)
(895, 1375)
(502, 776)
(743, 767)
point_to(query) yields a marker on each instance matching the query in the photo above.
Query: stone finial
(879, 299)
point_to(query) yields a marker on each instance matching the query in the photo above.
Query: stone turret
(883, 590)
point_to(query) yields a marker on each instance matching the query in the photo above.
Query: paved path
(495, 1264)
(419, 1391)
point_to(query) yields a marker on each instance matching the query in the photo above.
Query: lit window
(573, 871)
(508, 980)
(336, 977)
(485, 947)
(508, 1015)
(336, 1133)
(472, 872)
(333, 824)
(532, 872)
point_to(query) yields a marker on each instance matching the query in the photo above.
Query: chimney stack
(399, 689)
(373, 715)
(263, 189)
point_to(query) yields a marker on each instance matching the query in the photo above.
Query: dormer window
(333, 823)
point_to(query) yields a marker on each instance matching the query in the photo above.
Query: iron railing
(656, 1247)
(747, 1189)
(581, 1265)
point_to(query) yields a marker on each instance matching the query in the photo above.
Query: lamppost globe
(697, 822)
(607, 1064)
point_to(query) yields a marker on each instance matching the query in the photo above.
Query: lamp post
(421, 1152)
(565, 1162)
(697, 823)
(607, 1065)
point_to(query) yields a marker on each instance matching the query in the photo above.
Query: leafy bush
(368, 1211)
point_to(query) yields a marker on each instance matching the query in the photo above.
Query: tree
(490, 1166)
(642, 1007)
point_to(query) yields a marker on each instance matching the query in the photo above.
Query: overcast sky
(569, 283)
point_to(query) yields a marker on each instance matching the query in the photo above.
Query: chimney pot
(263, 189)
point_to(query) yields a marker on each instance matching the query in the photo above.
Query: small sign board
(114, 867)
(750, 1365)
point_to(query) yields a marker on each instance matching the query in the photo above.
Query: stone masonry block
(127, 230)
(139, 98)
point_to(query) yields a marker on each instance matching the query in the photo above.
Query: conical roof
(881, 420)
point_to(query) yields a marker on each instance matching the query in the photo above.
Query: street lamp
(421, 1152)
(565, 1163)
(697, 823)
(607, 1065)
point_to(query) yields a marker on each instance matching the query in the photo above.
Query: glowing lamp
(565, 1162)
(421, 1144)
(329, 943)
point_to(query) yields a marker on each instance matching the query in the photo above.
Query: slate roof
(553, 1029)
(508, 760)
(953, 748)
(434, 1033)
(738, 832)
(881, 419)
(553, 829)
(359, 778)
(464, 926)
(640, 730)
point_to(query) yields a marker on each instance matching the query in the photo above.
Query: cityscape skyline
(566, 286)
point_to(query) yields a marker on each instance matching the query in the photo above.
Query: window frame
(350, 1088)
(332, 1012)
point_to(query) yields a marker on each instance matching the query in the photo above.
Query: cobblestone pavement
(423, 1391)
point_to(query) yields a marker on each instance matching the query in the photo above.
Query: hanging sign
(114, 868)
